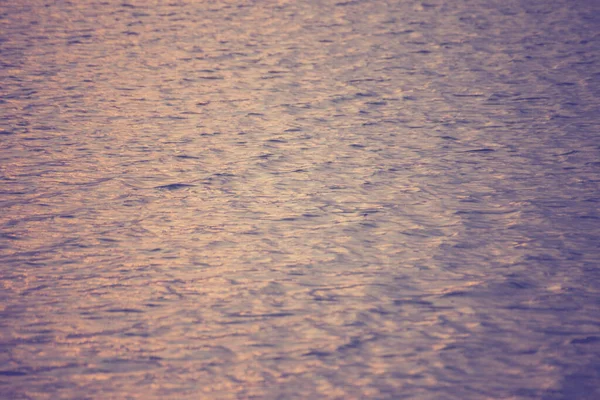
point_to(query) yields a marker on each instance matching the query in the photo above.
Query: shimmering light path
(318, 199)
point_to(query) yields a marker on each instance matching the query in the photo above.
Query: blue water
(300, 199)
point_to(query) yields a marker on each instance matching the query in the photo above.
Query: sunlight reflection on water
(321, 199)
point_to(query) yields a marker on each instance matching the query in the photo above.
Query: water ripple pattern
(282, 199)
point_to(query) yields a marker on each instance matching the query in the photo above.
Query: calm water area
(300, 199)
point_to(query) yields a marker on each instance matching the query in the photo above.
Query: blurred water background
(318, 199)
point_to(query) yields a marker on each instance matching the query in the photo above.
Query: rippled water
(300, 199)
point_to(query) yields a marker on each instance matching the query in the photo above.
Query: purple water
(300, 199)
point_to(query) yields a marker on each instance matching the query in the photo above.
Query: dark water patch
(458, 293)
(13, 373)
(467, 95)
(310, 215)
(185, 156)
(411, 302)
(124, 310)
(317, 353)
(266, 315)
(174, 186)
(482, 150)
(586, 340)
(402, 32)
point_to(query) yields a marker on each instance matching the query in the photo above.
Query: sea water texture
(318, 199)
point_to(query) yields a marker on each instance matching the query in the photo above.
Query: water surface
(299, 199)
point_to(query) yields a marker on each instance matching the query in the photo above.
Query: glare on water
(299, 199)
